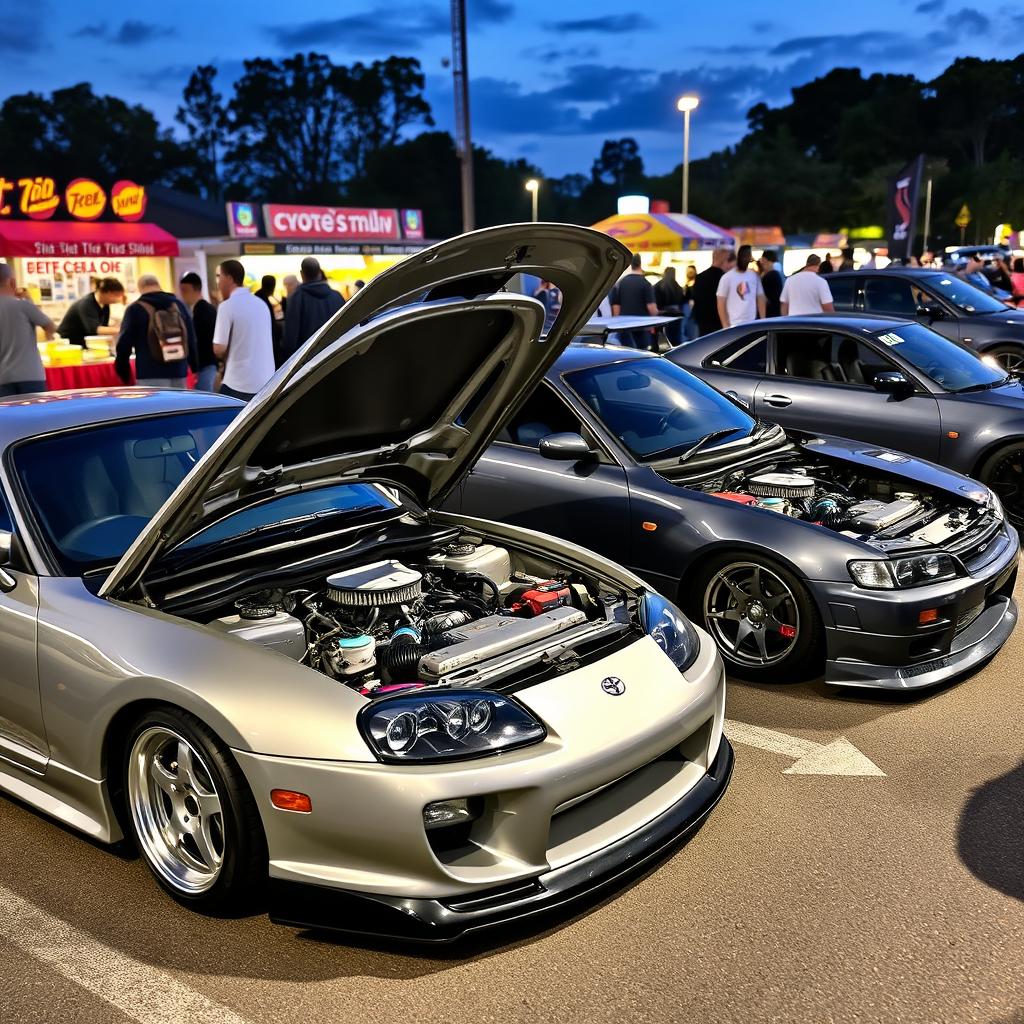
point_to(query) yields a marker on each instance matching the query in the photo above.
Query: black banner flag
(903, 193)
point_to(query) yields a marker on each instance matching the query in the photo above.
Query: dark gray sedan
(797, 552)
(888, 382)
(938, 299)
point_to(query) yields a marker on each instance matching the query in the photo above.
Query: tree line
(306, 129)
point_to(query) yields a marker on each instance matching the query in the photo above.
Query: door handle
(779, 401)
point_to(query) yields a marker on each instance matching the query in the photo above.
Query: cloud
(611, 24)
(131, 33)
(969, 20)
(930, 6)
(403, 27)
(22, 30)
(828, 44)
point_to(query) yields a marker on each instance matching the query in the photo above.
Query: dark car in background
(893, 383)
(798, 553)
(940, 300)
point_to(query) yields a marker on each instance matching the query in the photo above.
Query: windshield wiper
(1008, 379)
(706, 439)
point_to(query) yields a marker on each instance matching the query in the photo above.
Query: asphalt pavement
(805, 897)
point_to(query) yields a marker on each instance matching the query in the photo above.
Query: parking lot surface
(805, 897)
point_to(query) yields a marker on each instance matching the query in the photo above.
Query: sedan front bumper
(304, 905)
(875, 637)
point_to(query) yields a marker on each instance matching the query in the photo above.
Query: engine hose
(479, 577)
(438, 624)
(401, 658)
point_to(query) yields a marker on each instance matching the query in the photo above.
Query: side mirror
(931, 311)
(566, 448)
(892, 382)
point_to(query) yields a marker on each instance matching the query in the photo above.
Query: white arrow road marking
(141, 992)
(840, 757)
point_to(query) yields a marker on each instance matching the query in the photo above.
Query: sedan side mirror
(566, 447)
(892, 382)
(932, 311)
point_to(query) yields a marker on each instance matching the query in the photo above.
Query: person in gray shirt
(21, 369)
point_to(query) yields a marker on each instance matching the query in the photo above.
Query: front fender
(96, 656)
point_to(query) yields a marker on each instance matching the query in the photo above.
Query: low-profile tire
(760, 615)
(1003, 471)
(1009, 357)
(192, 814)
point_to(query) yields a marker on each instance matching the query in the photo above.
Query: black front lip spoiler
(302, 905)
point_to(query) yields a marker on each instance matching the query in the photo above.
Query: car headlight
(904, 572)
(446, 726)
(671, 630)
(997, 505)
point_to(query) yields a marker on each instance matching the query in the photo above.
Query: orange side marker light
(649, 526)
(289, 800)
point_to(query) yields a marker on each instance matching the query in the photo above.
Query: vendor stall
(59, 245)
(272, 238)
(668, 239)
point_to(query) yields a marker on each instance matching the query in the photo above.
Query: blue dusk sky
(549, 81)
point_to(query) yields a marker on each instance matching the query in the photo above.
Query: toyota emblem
(613, 685)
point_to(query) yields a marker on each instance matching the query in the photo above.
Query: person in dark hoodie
(158, 329)
(310, 306)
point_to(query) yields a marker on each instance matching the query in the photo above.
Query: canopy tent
(665, 232)
(53, 239)
(760, 236)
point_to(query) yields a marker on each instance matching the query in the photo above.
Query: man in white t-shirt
(806, 292)
(243, 336)
(740, 295)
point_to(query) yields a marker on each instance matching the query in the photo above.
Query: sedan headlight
(671, 630)
(446, 726)
(904, 572)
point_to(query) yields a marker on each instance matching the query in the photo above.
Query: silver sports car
(245, 637)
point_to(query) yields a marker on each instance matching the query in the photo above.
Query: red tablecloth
(90, 375)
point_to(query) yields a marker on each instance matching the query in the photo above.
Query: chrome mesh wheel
(752, 614)
(177, 810)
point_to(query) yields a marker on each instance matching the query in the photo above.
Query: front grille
(976, 542)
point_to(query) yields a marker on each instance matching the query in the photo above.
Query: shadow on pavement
(990, 834)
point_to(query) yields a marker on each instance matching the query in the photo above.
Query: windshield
(948, 364)
(657, 409)
(287, 510)
(964, 295)
(93, 490)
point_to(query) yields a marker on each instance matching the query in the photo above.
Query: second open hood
(405, 386)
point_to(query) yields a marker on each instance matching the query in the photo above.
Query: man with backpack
(158, 329)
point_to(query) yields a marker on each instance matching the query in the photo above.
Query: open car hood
(405, 386)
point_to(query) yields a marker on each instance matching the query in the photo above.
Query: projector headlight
(671, 630)
(448, 726)
(905, 572)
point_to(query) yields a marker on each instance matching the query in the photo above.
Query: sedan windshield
(965, 296)
(658, 410)
(93, 490)
(951, 366)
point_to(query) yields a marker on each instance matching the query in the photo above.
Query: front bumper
(874, 637)
(445, 920)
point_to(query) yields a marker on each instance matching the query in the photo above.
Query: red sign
(128, 200)
(65, 240)
(85, 199)
(335, 223)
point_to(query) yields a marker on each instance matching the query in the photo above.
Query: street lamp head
(687, 103)
(532, 185)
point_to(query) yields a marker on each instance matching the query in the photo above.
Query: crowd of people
(232, 346)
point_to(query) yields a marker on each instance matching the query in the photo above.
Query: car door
(584, 502)
(892, 295)
(22, 735)
(738, 367)
(821, 383)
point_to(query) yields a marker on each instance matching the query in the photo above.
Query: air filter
(370, 586)
(781, 485)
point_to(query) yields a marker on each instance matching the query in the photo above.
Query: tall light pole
(464, 140)
(533, 187)
(686, 104)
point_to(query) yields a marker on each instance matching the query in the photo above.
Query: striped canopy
(665, 232)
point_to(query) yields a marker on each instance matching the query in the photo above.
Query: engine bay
(882, 510)
(468, 614)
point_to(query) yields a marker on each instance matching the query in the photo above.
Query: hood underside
(405, 386)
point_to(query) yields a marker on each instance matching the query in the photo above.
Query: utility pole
(927, 214)
(460, 77)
